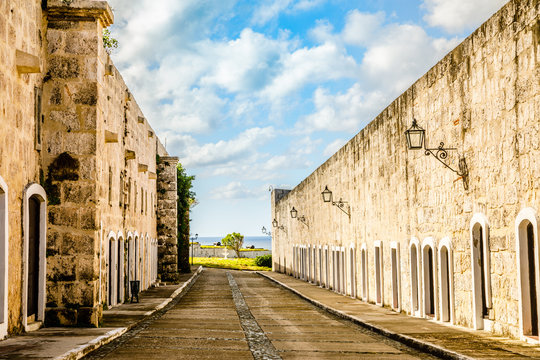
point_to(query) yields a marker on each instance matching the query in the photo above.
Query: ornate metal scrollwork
(441, 154)
(343, 206)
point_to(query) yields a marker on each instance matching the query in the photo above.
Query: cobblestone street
(240, 315)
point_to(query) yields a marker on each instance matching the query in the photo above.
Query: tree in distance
(234, 241)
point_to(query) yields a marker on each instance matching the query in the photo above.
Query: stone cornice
(80, 10)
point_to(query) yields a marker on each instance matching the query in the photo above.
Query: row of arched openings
(431, 273)
(137, 262)
(332, 267)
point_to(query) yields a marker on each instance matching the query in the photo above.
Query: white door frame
(37, 191)
(4, 257)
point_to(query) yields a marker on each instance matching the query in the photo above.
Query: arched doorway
(326, 268)
(480, 266)
(352, 259)
(136, 262)
(130, 263)
(429, 280)
(378, 273)
(113, 269)
(121, 271)
(34, 259)
(445, 281)
(343, 272)
(364, 267)
(320, 266)
(415, 278)
(4, 233)
(527, 254)
(396, 274)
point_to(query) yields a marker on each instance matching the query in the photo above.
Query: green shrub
(265, 260)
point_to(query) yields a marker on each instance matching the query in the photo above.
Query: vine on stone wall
(186, 199)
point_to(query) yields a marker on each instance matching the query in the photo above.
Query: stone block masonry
(167, 226)
(70, 160)
(417, 241)
(78, 175)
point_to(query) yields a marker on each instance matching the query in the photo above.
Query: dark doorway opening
(33, 257)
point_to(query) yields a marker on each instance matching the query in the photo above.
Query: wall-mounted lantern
(276, 225)
(302, 219)
(266, 232)
(340, 204)
(416, 141)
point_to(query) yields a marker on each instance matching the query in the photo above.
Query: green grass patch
(235, 264)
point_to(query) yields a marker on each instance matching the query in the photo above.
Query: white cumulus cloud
(225, 152)
(455, 16)
(394, 56)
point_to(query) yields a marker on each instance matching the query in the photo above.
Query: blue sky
(252, 94)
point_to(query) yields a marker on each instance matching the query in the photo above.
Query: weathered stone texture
(167, 217)
(97, 190)
(20, 26)
(483, 98)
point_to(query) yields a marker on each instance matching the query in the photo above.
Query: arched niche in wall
(415, 264)
(326, 267)
(130, 268)
(527, 248)
(147, 262)
(343, 270)
(34, 259)
(120, 278)
(320, 262)
(112, 269)
(4, 248)
(137, 256)
(480, 265)
(379, 272)
(446, 281)
(314, 258)
(396, 275)
(429, 277)
(352, 269)
(365, 273)
(309, 275)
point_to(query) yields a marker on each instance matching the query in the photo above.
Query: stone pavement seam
(260, 346)
(407, 340)
(98, 342)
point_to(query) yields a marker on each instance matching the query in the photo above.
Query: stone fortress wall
(416, 240)
(22, 28)
(76, 145)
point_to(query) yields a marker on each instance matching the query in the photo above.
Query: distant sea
(260, 242)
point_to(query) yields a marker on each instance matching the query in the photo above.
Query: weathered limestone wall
(21, 29)
(167, 221)
(483, 98)
(127, 175)
(70, 144)
(73, 136)
(101, 171)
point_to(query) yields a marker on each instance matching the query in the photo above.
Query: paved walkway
(447, 341)
(73, 343)
(231, 314)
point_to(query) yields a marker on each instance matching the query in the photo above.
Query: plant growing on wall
(186, 200)
(109, 43)
(234, 241)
